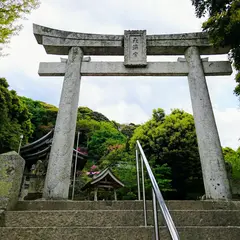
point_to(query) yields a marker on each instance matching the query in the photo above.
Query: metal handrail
(157, 195)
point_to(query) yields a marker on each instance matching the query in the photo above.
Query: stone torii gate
(135, 46)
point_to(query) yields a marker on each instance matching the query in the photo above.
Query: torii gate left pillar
(59, 167)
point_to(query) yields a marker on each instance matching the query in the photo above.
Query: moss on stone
(3, 170)
(11, 172)
(5, 188)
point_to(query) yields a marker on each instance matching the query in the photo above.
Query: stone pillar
(213, 167)
(11, 174)
(59, 167)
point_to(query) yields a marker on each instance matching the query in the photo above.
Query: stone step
(75, 233)
(116, 233)
(124, 205)
(107, 218)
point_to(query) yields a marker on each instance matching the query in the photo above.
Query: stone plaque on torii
(134, 46)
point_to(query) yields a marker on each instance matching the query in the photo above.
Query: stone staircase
(121, 220)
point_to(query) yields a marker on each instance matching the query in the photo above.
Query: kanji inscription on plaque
(135, 53)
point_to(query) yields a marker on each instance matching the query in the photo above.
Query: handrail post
(75, 167)
(137, 169)
(144, 196)
(155, 215)
(158, 196)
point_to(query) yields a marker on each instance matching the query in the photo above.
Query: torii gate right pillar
(213, 167)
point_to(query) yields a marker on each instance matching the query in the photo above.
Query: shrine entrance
(134, 46)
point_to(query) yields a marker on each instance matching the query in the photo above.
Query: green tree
(14, 119)
(43, 117)
(158, 114)
(123, 164)
(86, 127)
(10, 12)
(128, 129)
(171, 140)
(223, 27)
(88, 121)
(87, 113)
(104, 137)
(116, 157)
(233, 157)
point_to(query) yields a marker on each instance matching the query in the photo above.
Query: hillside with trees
(169, 142)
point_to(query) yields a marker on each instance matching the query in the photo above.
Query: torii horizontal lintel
(58, 42)
(118, 69)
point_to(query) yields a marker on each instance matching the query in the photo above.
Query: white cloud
(144, 92)
(124, 112)
(228, 126)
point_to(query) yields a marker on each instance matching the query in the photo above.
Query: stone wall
(11, 173)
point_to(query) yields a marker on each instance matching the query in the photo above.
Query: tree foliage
(87, 113)
(123, 164)
(88, 122)
(104, 137)
(14, 119)
(128, 129)
(223, 27)
(43, 117)
(10, 12)
(210, 7)
(233, 157)
(171, 139)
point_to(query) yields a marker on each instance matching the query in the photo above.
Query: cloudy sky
(122, 99)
